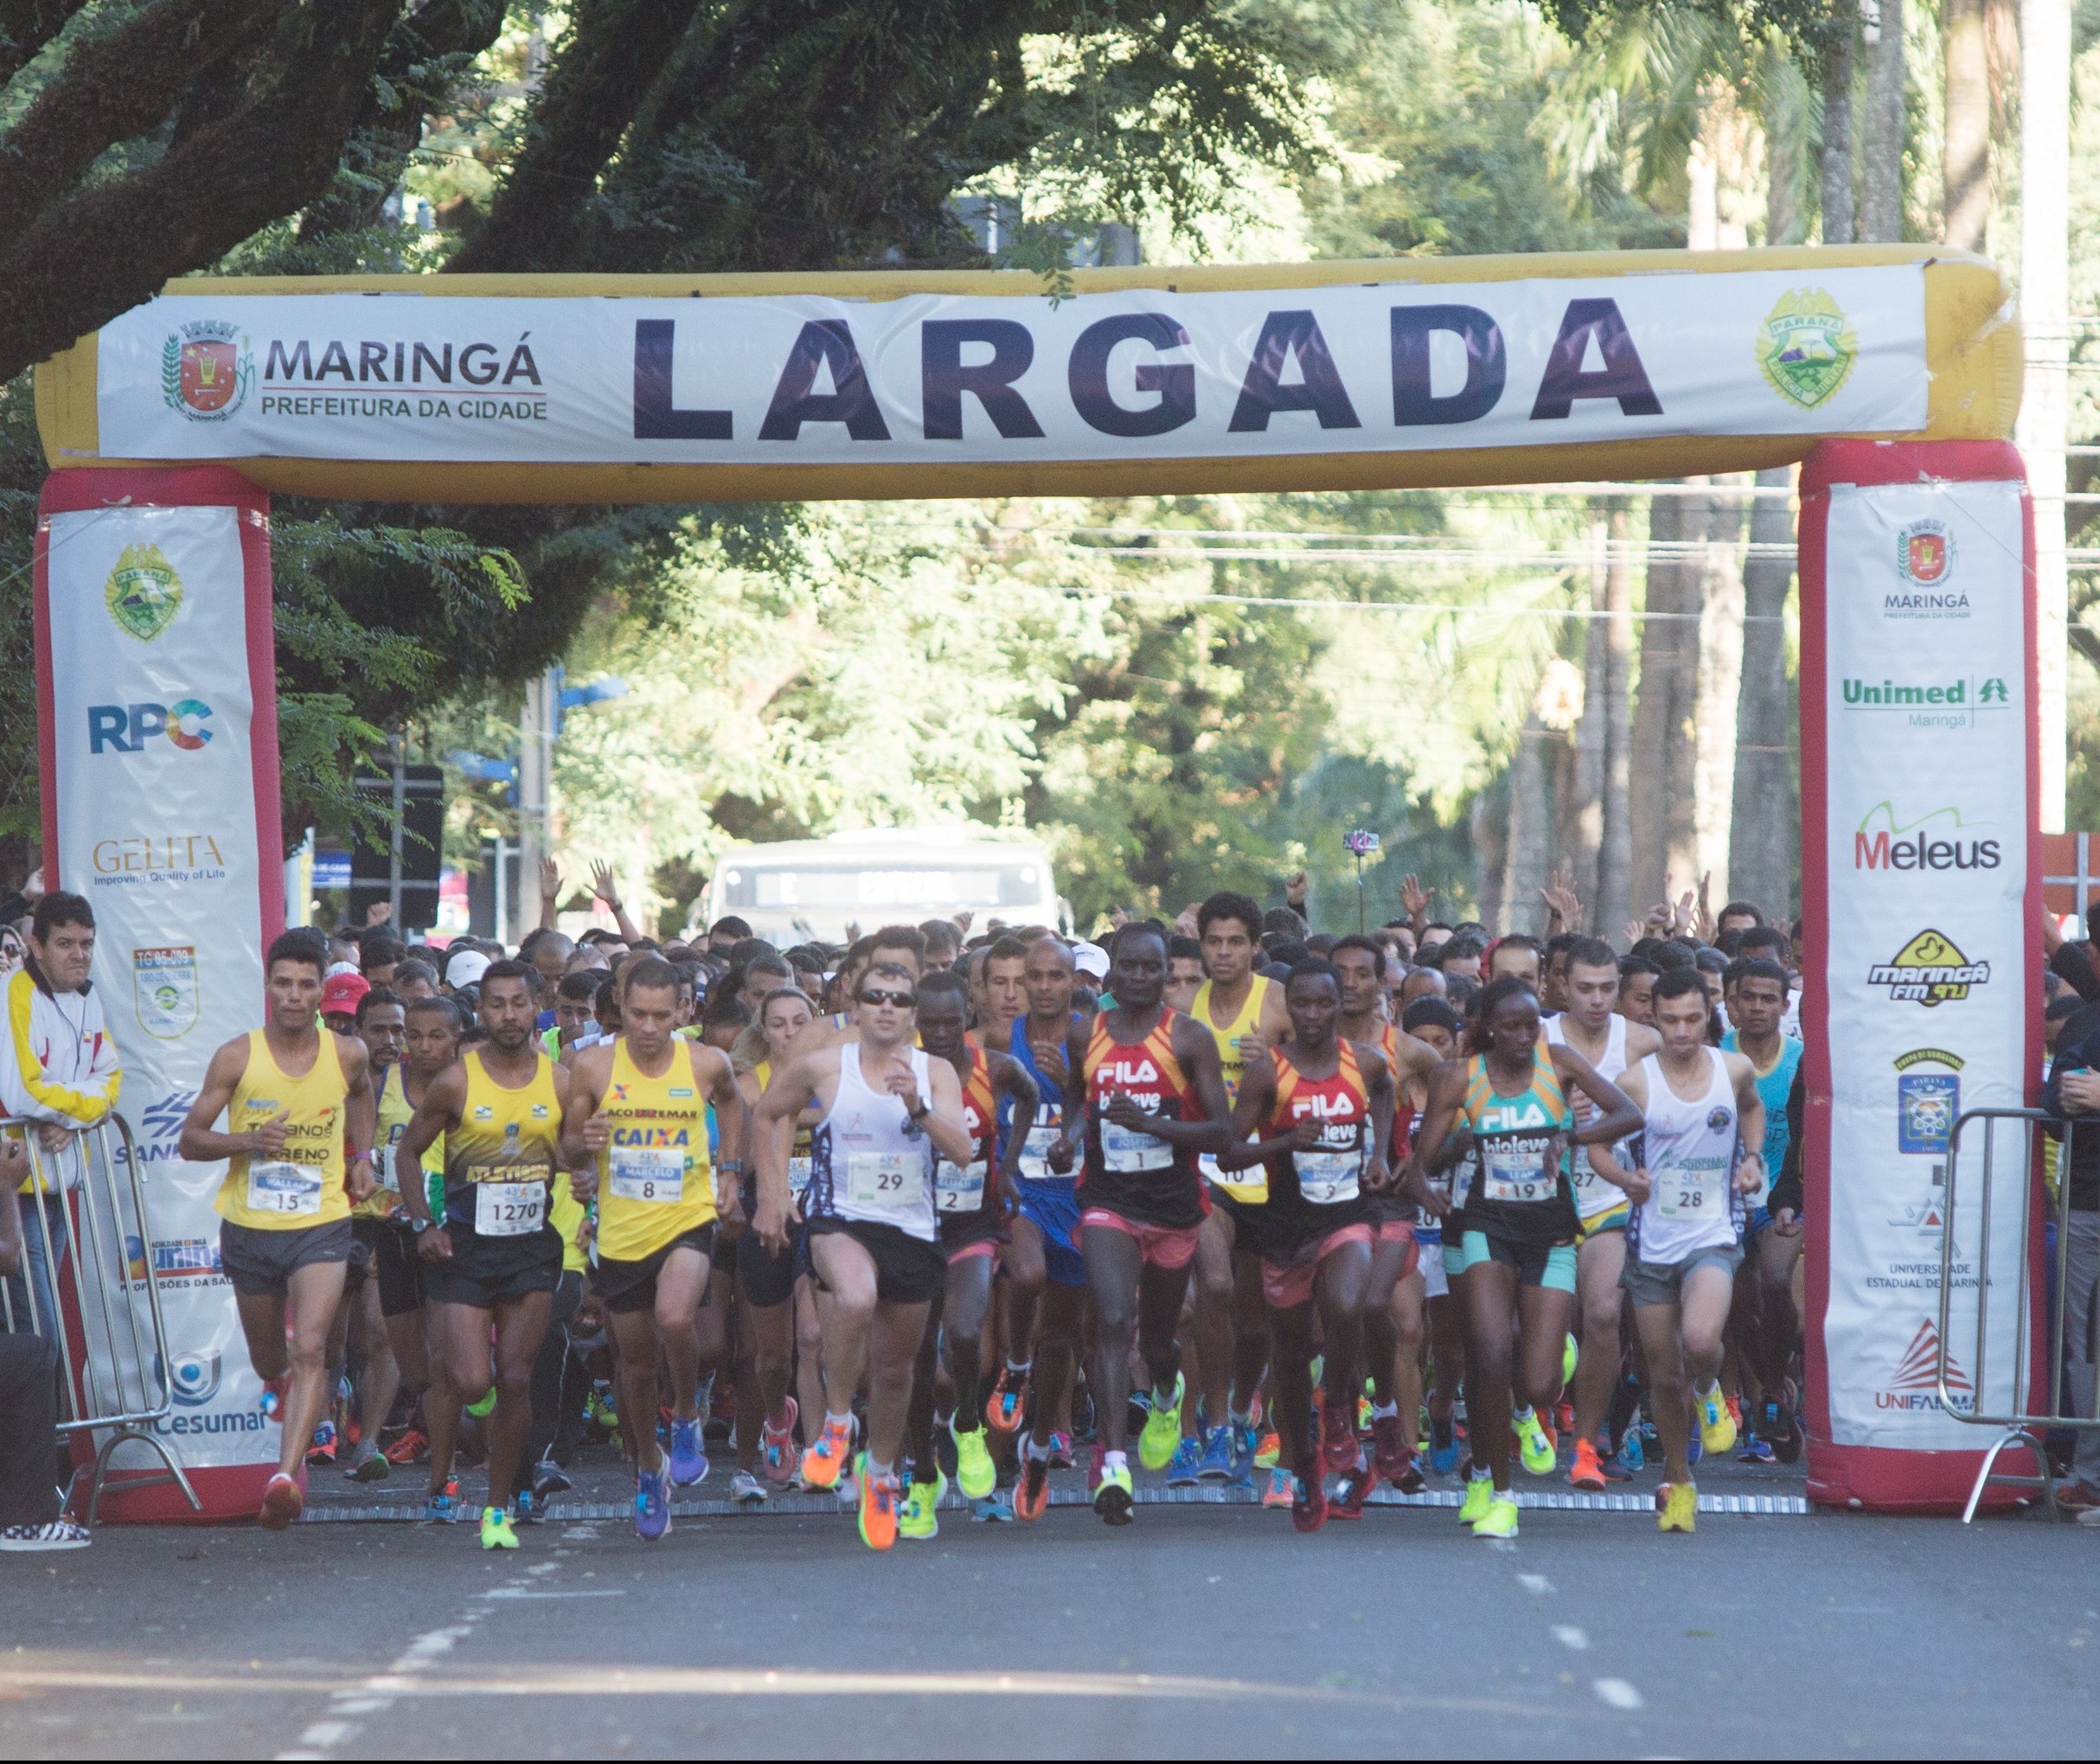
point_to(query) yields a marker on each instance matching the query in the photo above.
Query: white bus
(811, 890)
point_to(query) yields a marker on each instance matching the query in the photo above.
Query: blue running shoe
(1629, 1459)
(652, 1505)
(1217, 1464)
(1756, 1451)
(524, 1510)
(1692, 1451)
(1442, 1446)
(1185, 1468)
(442, 1509)
(996, 1509)
(1244, 1441)
(688, 1461)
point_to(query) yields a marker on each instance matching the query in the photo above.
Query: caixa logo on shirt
(126, 728)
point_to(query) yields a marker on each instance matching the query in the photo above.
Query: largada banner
(1918, 835)
(538, 389)
(161, 793)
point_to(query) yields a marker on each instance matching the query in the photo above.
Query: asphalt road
(1199, 1631)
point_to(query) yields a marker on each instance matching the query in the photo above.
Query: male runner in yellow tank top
(496, 1259)
(297, 1100)
(637, 1134)
(1244, 1012)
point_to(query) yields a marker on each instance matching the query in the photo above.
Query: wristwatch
(419, 1226)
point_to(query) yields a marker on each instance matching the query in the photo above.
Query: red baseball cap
(341, 993)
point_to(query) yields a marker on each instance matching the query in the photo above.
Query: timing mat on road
(818, 1505)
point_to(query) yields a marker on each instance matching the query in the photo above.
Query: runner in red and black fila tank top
(1143, 1085)
(1322, 1107)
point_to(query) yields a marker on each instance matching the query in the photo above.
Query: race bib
(653, 1175)
(893, 1181)
(1326, 1178)
(291, 1190)
(1695, 1196)
(1517, 1170)
(959, 1188)
(382, 1169)
(1035, 1153)
(508, 1209)
(1126, 1151)
(799, 1176)
(1254, 1179)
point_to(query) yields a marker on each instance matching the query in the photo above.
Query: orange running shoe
(1586, 1472)
(825, 1461)
(412, 1446)
(282, 1502)
(1009, 1397)
(878, 1498)
(1032, 1493)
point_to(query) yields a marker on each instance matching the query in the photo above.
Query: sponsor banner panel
(158, 718)
(1131, 374)
(1927, 711)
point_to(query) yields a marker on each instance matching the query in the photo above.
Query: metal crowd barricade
(2025, 1422)
(98, 1300)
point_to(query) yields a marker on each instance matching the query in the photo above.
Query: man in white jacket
(58, 1068)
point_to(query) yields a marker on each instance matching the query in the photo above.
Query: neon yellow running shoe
(974, 1467)
(1501, 1518)
(1535, 1444)
(1677, 1506)
(1162, 1433)
(1570, 1352)
(1479, 1490)
(917, 1516)
(485, 1407)
(1717, 1428)
(1112, 1496)
(495, 1532)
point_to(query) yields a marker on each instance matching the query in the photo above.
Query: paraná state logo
(142, 593)
(1807, 347)
(205, 371)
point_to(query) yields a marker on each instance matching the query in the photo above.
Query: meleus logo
(1929, 970)
(127, 727)
(1933, 842)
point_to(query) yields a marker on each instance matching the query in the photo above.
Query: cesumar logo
(204, 372)
(193, 1379)
(1929, 970)
(127, 727)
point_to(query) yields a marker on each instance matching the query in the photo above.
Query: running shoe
(1535, 1443)
(524, 1509)
(994, 1509)
(1735, 1412)
(1136, 1411)
(323, 1450)
(1564, 1419)
(1308, 1503)
(1032, 1494)
(483, 1406)
(847, 1489)
(1442, 1446)
(1351, 1489)
(652, 1505)
(881, 1497)
(1630, 1459)
(1693, 1450)
(441, 1506)
(1244, 1444)
(974, 1473)
(1268, 1450)
(367, 1464)
(1009, 1397)
(1339, 1445)
(1390, 1454)
(1479, 1490)
(412, 1446)
(549, 1480)
(688, 1460)
(1085, 1424)
(1570, 1352)
(1217, 1464)
(1113, 1499)
(58, 1534)
(282, 1502)
(1676, 1507)
(825, 1461)
(1717, 1428)
(918, 1517)
(746, 1489)
(1586, 1472)
(1780, 1430)
(1756, 1450)
(495, 1532)
(1501, 1518)
(1162, 1435)
(1060, 1452)
(1279, 1487)
(777, 1448)
(1185, 1469)
(599, 1412)
(274, 1391)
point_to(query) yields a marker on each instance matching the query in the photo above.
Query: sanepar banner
(872, 385)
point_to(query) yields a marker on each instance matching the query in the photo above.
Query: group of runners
(1283, 1207)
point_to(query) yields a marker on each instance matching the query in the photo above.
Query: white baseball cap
(466, 969)
(1091, 959)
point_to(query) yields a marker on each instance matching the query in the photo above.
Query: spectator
(2072, 1096)
(29, 1513)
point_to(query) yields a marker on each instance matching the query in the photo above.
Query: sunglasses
(896, 1001)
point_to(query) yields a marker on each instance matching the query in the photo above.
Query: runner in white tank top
(1702, 1109)
(869, 1161)
(1594, 1197)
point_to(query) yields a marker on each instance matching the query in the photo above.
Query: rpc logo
(125, 727)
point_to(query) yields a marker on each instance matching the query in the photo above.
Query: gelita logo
(126, 728)
(1937, 840)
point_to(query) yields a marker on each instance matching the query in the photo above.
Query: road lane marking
(1618, 1693)
(1570, 1637)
